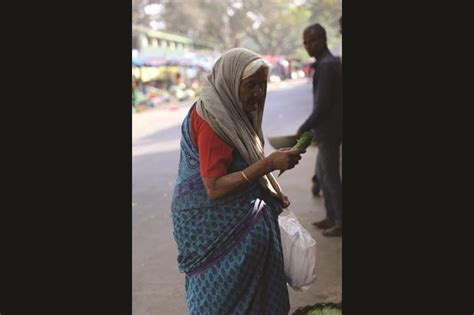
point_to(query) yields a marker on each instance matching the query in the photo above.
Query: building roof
(171, 37)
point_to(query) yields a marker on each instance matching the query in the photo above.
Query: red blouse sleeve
(215, 155)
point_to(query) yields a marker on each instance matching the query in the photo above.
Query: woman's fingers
(283, 160)
(294, 160)
(296, 151)
(285, 202)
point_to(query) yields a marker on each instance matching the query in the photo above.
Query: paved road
(158, 287)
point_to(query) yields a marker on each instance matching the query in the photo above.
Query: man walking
(326, 122)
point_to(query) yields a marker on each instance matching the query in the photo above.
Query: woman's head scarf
(220, 107)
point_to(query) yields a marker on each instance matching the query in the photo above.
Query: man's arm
(322, 97)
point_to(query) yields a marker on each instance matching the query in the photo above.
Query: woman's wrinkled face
(252, 89)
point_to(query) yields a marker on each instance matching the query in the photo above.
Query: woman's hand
(285, 202)
(285, 159)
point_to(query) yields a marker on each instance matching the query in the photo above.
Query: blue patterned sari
(230, 248)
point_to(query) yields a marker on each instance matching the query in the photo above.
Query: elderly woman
(226, 201)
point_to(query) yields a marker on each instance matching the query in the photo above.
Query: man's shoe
(334, 231)
(315, 189)
(324, 224)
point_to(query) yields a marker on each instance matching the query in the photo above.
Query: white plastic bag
(299, 251)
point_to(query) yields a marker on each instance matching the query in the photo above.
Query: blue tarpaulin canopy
(159, 62)
(137, 62)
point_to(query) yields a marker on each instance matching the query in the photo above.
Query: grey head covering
(220, 106)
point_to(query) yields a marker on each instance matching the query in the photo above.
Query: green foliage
(267, 26)
(325, 311)
(304, 141)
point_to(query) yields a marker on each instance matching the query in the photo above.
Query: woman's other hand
(285, 202)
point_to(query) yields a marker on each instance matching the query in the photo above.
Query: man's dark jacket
(326, 118)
